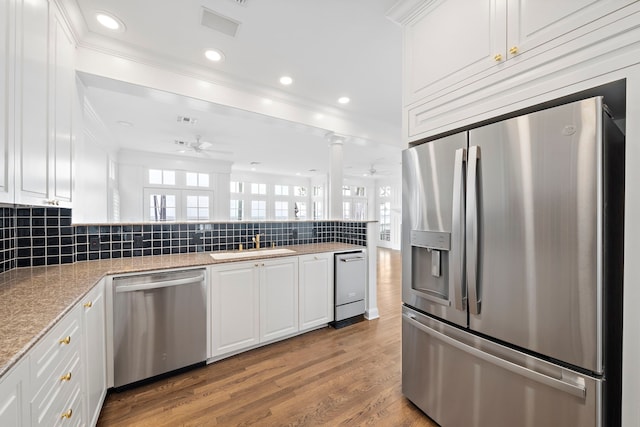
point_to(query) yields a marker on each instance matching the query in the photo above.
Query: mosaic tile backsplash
(33, 236)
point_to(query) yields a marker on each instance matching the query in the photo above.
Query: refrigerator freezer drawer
(459, 379)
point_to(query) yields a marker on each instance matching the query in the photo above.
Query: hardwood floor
(349, 376)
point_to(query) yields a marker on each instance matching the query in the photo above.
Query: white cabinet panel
(278, 298)
(7, 27)
(235, 307)
(315, 290)
(32, 101)
(94, 351)
(63, 95)
(449, 41)
(532, 23)
(14, 408)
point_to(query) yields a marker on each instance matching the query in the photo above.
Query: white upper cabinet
(6, 107)
(457, 51)
(451, 40)
(44, 88)
(62, 76)
(32, 102)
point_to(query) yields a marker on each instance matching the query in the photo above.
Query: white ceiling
(331, 48)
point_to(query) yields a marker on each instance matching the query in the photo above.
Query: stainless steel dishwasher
(159, 324)
(350, 286)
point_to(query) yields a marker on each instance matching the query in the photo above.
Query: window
(162, 177)
(317, 191)
(299, 191)
(385, 221)
(258, 209)
(237, 210)
(359, 192)
(197, 208)
(346, 190)
(236, 187)
(359, 212)
(346, 210)
(163, 206)
(385, 191)
(300, 210)
(281, 190)
(258, 188)
(318, 212)
(281, 210)
(195, 179)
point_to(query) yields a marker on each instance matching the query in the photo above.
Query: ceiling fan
(198, 146)
(373, 171)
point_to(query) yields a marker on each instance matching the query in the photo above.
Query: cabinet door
(32, 102)
(533, 23)
(278, 298)
(7, 26)
(14, 409)
(316, 290)
(235, 307)
(62, 96)
(94, 354)
(449, 41)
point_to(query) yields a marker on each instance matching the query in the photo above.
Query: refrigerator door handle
(456, 265)
(578, 390)
(472, 231)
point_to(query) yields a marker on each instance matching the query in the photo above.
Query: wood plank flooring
(349, 376)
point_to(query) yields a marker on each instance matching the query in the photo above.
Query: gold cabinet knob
(498, 57)
(88, 304)
(66, 377)
(67, 414)
(65, 340)
(513, 50)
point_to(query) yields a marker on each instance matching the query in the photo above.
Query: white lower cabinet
(278, 298)
(315, 287)
(94, 352)
(235, 302)
(252, 303)
(14, 395)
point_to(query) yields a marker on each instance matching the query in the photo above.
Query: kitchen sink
(250, 253)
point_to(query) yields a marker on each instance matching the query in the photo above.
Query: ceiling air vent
(219, 23)
(241, 2)
(187, 120)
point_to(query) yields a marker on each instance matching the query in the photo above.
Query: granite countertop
(33, 299)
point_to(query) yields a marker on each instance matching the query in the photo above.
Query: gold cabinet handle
(498, 57)
(88, 304)
(66, 377)
(67, 414)
(513, 50)
(65, 340)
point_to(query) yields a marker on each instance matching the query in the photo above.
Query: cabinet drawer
(63, 411)
(57, 345)
(57, 389)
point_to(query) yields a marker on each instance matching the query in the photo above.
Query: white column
(335, 176)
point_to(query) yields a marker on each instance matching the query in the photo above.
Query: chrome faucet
(256, 240)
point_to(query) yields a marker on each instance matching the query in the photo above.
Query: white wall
(91, 160)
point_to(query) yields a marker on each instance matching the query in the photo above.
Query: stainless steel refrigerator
(512, 271)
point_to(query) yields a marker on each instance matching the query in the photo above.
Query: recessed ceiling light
(253, 169)
(297, 173)
(286, 80)
(109, 21)
(267, 101)
(214, 55)
(343, 100)
(319, 116)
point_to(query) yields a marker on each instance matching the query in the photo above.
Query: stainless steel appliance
(350, 284)
(512, 271)
(159, 324)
